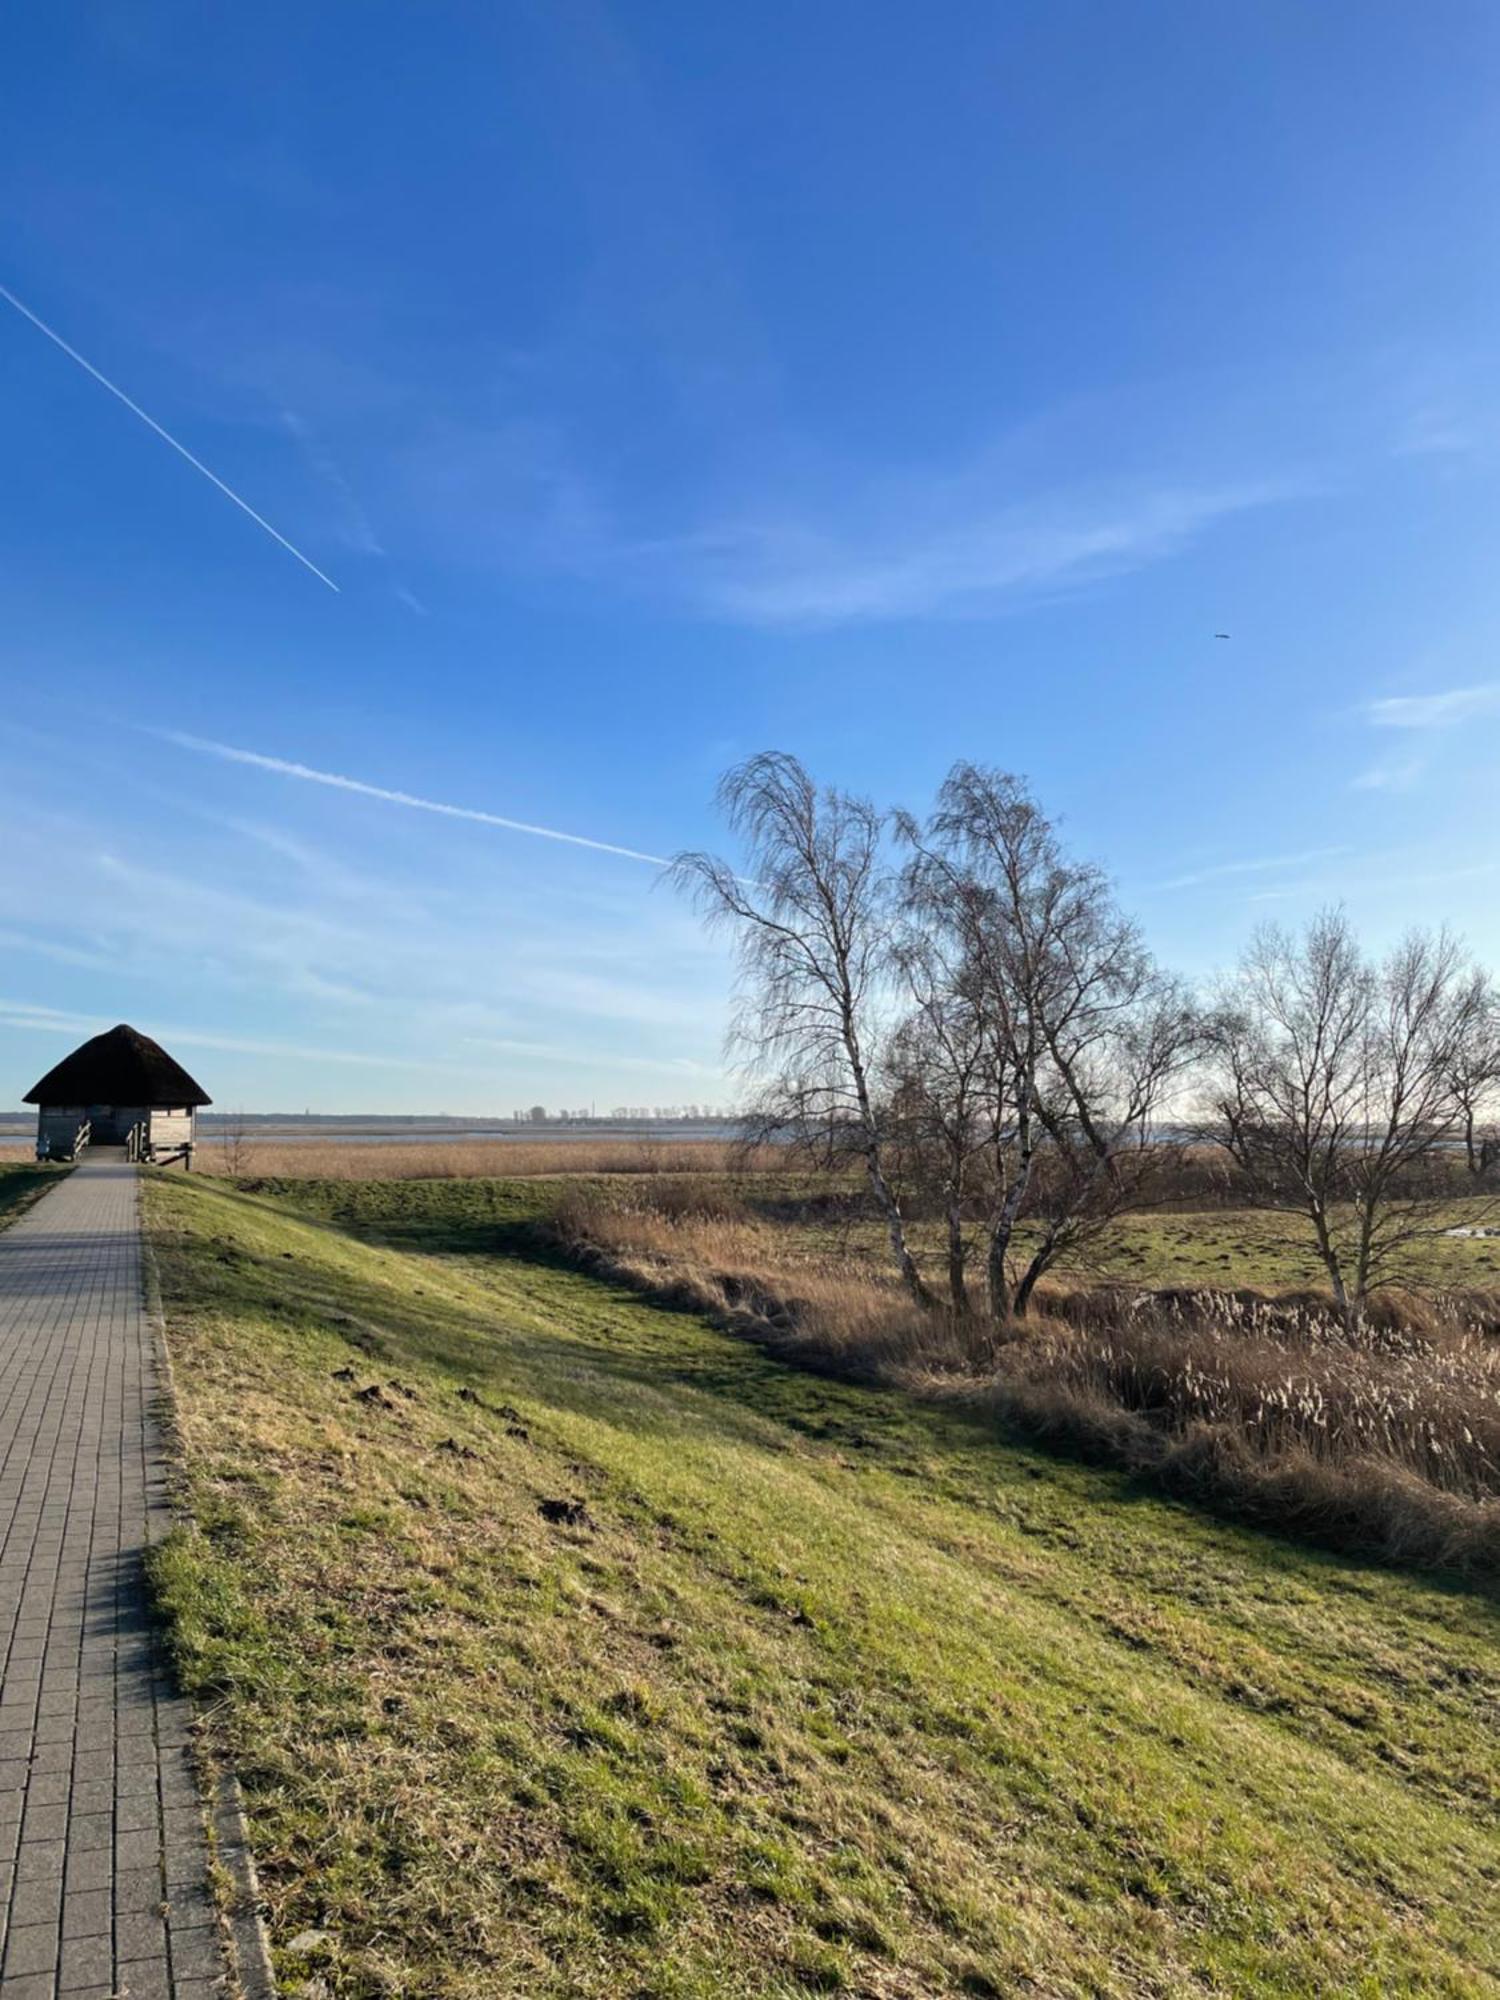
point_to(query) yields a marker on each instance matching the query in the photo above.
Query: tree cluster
(961, 1007)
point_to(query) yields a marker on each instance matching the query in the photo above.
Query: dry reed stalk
(474, 1159)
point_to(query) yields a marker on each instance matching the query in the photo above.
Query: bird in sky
(1221, 635)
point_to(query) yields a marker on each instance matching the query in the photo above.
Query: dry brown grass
(1382, 1434)
(17, 1149)
(480, 1159)
(704, 1249)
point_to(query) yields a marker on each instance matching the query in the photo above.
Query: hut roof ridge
(121, 1066)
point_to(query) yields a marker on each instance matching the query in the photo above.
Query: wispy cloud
(1435, 430)
(1400, 774)
(355, 529)
(49, 1020)
(1443, 401)
(581, 956)
(1421, 716)
(679, 1067)
(1262, 864)
(856, 549)
(60, 954)
(798, 575)
(285, 768)
(27, 1017)
(779, 531)
(1435, 711)
(1385, 882)
(166, 436)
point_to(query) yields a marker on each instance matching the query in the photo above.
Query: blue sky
(659, 384)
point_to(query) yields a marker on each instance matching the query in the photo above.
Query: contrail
(182, 450)
(286, 769)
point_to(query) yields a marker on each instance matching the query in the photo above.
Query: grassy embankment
(801, 1688)
(23, 1183)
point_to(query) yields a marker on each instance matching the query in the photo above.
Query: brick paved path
(102, 1851)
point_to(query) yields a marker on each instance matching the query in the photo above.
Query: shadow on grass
(463, 1218)
(21, 1185)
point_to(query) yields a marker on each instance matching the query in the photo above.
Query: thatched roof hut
(119, 1089)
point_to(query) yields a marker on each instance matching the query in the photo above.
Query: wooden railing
(45, 1150)
(137, 1141)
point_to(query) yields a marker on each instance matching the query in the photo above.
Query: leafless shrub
(235, 1149)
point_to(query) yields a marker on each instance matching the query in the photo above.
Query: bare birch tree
(1476, 1078)
(811, 922)
(1082, 1037)
(936, 1084)
(1335, 1089)
(1118, 1044)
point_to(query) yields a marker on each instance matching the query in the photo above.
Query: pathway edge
(249, 1945)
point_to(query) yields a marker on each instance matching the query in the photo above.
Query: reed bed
(477, 1159)
(17, 1149)
(1380, 1433)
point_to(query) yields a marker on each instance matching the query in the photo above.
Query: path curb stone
(249, 1944)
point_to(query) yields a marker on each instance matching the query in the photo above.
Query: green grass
(22, 1183)
(825, 1693)
(1270, 1252)
(475, 1216)
(1219, 1247)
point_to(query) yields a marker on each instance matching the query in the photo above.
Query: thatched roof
(120, 1067)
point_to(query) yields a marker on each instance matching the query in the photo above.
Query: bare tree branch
(1081, 1037)
(812, 926)
(1336, 1087)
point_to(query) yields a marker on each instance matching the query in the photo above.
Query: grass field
(597, 1654)
(1229, 1247)
(1273, 1252)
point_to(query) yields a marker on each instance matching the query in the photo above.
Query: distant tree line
(620, 1114)
(960, 1007)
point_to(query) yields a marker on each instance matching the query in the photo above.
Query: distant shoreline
(290, 1126)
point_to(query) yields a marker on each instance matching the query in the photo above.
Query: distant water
(525, 1135)
(271, 1134)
